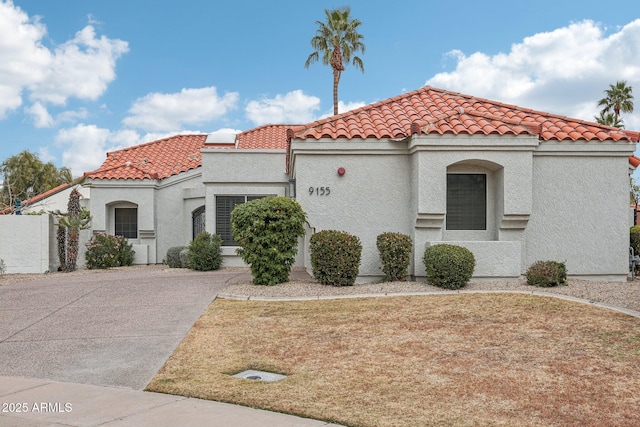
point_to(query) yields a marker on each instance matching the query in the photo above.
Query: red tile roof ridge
(38, 197)
(633, 136)
(157, 141)
(127, 164)
(408, 113)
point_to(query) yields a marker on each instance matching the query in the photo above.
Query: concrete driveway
(114, 327)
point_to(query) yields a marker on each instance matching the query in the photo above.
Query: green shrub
(546, 274)
(184, 257)
(448, 266)
(634, 239)
(335, 257)
(395, 254)
(205, 252)
(267, 231)
(3, 266)
(173, 257)
(106, 251)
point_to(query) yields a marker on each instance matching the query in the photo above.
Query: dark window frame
(466, 201)
(224, 206)
(126, 222)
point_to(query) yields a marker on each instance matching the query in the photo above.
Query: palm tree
(619, 99)
(337, 40)
(609, 119)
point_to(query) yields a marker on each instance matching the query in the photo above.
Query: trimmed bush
(173, 257)
(395, 254)
(106, 251)
(546, 274)
(335, 257)
(448, 266)
(205, 252)
(267, 231)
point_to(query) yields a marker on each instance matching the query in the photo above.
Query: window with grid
(466, 201)
(224, 207)
(198, 221)
(126, 222)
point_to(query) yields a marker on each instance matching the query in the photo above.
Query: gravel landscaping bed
(618, 294)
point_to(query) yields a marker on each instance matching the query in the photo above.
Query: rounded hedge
(395, 254)
(546, 274)
(205, 252)
(448, 266)
(173, 257)
(335, 257)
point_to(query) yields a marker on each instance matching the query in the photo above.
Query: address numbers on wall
(319, 191)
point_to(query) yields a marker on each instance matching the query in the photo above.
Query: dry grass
(455, 360)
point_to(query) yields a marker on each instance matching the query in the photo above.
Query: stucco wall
(580, 213)
(372, 197)
(25, 242)
(229, 172)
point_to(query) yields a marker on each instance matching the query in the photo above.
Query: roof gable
(154, 160)
(435, 111)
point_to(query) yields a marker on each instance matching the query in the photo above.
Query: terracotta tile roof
(268, 136)
(37, 198)
(434, 111)
(154, 160)
(424, 111)
(634, 161)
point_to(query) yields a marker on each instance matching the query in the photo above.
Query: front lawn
(455, 360)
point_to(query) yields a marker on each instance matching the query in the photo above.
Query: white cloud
(160, 112)
(40, 115)
(564, 71)
(293, 107)
(42, 119)
(79, 68)
(343, 107)
(84, 147)
(23, 60)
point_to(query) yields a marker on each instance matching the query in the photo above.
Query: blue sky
(82, 77)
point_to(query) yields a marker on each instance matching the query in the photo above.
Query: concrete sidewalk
(50, 403)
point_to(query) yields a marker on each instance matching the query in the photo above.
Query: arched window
(198, 221)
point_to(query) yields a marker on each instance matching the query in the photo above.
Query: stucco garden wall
(25, 242)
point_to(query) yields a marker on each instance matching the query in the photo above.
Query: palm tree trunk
(72, 255)
(62, 244)
(336, 80)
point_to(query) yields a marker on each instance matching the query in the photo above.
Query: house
(513, 185)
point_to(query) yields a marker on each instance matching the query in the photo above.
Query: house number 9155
(319, 191)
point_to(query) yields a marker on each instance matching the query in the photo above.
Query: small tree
(72, 222)
(267, 231)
